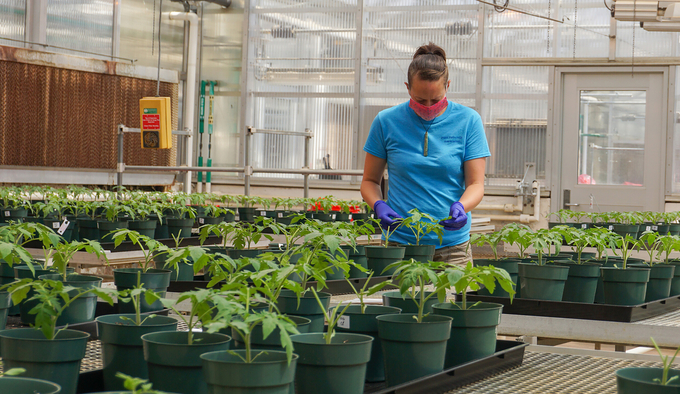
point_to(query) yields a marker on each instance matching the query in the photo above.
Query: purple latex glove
(458, 217)
(387, 216)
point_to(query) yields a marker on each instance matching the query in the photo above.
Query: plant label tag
(7, 213)
(63, 227)
(655, 228)
(648, 228)
(584, 225)
(56, 224)
(333, 216)
(343, 322)
(611, 228)
(263, 213)
(280, 215)
(201, 221)
(350, 217)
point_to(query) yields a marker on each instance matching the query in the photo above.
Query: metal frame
(557, 134)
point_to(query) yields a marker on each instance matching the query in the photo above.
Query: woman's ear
(448, 83)
(407, 87)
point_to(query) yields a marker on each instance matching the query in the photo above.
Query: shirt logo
(452, 139)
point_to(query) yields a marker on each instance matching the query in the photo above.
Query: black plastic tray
(509, 354)
(334, 287)
(578, 310)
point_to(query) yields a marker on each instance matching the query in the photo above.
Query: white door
(613, 133)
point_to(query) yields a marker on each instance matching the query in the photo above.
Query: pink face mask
(431, 112)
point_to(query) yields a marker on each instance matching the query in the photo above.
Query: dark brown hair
(429, 64)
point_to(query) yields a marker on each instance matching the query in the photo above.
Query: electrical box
(156, 122)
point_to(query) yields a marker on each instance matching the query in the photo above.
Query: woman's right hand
(388, 217)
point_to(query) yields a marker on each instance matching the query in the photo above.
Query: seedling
(412, 277)
(421, 224)
(666, 365)
(471, 277)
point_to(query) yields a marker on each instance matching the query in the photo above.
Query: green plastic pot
(660, 281)
(174, 365)
(273, 340)
(88, 229)
(323, 216)
(358, 255)
(144, 227)
(308, 308)
(153, 279)
(57, 360)
(14, 214)
(270, 373)
(342, 217)
(380, 257)
(674, 229)
(246, 214)
(161, 231)
(543, 282)
(83, 308)
(473, 331)
(122, 347)
(5, 302)
(422, 253)
(675, 283)
(626, 229)
(7, 276)
(641, 381)
(661, 229)
(22, 272)
(184, 271)
(17, 385)
(105, 228)
(599, 292)
(285, 217)
(582, 281)
(239, 253)
(203, 220)
(405, 302)
(509, 265)
(355, 322)
(180, 228)
(334, 273)
(54, 224)
(625, 287)
(335, 368)
(574, 255)
(411, 349)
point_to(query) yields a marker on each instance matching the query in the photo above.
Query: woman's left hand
(458, 217)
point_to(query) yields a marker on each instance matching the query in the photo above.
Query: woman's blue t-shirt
(430, 183)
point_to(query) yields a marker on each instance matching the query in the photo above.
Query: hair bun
(430, 49)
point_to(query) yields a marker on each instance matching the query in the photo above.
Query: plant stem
(421, 305)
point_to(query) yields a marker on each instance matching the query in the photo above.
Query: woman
(436, 153)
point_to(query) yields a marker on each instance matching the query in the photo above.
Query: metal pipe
(121, 164)
(246, 160)
(306, 167)
(190, 99)
(498, 207)
(182, 168)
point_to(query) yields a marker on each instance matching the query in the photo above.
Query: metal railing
(247, 169)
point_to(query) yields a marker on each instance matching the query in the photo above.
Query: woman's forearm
(370, 192)
(472, 196)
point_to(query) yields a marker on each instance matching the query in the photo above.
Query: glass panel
(12, 16)
(612, 137)
(139, 29)
(75, 24)
(515, 112)
(676, 140)
(512, 35)
(221, 62)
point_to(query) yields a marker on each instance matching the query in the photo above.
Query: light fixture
(660, 26)
(636, 10)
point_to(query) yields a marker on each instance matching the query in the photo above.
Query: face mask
(431, 112)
